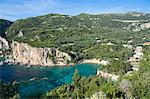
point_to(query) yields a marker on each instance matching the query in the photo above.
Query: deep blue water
(56, 76)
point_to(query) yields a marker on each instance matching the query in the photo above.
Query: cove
(38, 80)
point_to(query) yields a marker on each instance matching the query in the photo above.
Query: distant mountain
(4, 24)
(133, 13)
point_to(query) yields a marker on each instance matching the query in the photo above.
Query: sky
(20, 9)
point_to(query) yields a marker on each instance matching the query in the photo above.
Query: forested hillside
(4, 24)
(81, 31)
(87, 35)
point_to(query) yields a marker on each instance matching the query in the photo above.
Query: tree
(77, 86)
(17, 96)
(8, 90)
(76, 79)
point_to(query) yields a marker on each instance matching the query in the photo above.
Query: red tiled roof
(146, 43)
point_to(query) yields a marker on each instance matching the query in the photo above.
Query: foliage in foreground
(9, 91)
(83, 87)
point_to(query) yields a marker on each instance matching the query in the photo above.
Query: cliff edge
(25, 54)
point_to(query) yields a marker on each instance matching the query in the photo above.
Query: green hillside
(85, 34)
(4, 24)
(55, 29)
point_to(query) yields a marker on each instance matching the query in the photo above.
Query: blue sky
(18, 9)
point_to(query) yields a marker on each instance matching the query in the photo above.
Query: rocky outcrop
(126, 86)
(107, 75)
(145, 26)
(3, 43)
(138, 26)
(20, 34)
(98, 95)
(25, 54)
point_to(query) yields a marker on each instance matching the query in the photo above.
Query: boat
(44, 78)
(29, 66)
(1, 63)
(32, 79)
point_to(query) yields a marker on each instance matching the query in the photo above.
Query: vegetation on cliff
(4, 24)
(84, 87)
(9, 91)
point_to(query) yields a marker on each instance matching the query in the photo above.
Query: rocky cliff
(25, 54)
(139, 26)
(3, 43)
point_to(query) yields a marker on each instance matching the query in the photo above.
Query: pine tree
(77, 86)
(76, 78)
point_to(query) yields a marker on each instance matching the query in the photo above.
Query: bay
(38, 80)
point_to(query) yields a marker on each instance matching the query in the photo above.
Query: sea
(40, 79)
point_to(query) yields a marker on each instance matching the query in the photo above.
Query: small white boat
(32, 79)
(44, 78)
(1, 63)
(28, 66)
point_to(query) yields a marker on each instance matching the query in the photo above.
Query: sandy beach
(93, 61)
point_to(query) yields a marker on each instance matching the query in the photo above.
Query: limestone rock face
(3, 43)
(25, 54)
(138, 26)
(20, 34)
(145, 26)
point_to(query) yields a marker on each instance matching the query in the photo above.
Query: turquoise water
(56, 76)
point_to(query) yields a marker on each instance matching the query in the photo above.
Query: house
(136, 57)
(138, 54)
(135, 69)
(1, 52)
(138, 49)
(146, 43)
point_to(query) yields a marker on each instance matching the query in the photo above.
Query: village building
(138, 54)
(146, 43)
(138, 49)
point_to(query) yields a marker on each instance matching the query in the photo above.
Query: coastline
(85, 61)
(91, 61)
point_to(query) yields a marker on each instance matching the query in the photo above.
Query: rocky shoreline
(25, 54)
